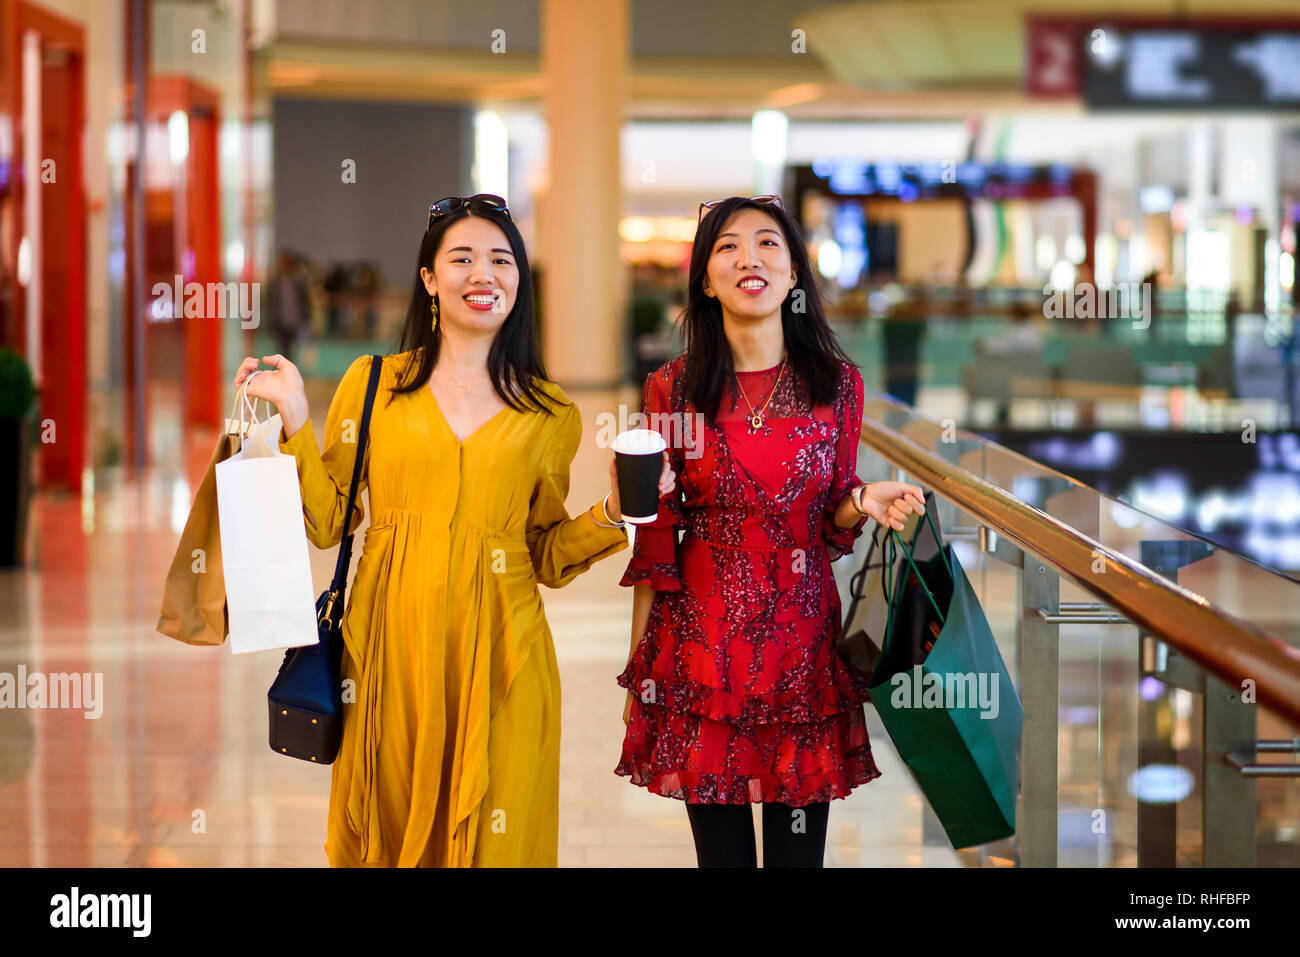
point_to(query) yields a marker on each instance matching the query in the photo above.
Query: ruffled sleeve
(654, 546)
(563, 547)
(326, 476)
(839, 541)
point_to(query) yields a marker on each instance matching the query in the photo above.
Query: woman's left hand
(667, 482)
(889, 503)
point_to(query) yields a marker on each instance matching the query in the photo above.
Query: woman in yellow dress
(450, 752)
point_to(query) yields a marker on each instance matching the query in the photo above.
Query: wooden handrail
(1227, 646)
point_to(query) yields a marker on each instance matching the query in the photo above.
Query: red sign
(1052, 48)
(1055, 45)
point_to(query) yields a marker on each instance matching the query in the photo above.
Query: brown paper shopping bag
(194, 596)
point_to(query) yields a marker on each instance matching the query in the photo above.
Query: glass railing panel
(1235, 584)
(1112, 721)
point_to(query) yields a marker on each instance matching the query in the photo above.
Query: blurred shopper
(367, 284)
(336, 287)
(1152, 280)
(736, 694)
(902, 333)
(289, 303)
(451, 753)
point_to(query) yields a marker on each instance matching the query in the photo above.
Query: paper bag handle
(250, 406)
(242, 403)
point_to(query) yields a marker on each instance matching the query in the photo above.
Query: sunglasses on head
(761, 200)
(450, 204)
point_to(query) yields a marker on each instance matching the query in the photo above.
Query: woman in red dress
(736, 694)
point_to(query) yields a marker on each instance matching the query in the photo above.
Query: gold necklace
(461, 384)
(756, 416)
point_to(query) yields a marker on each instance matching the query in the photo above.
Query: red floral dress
(738, 693)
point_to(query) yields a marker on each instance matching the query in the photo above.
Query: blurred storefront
(1009, 158)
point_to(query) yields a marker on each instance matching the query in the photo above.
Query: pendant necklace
(464, 387)
(756, 415)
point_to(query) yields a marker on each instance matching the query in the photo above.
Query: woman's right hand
(627, 709)
(281, 384)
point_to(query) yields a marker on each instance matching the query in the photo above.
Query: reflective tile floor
(170, 765)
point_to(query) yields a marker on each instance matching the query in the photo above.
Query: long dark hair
(814, 353)
(514, 357)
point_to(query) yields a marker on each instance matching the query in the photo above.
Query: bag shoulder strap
(340, 581)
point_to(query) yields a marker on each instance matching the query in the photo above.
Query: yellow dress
(450, 754)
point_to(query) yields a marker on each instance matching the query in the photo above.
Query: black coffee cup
(639, 460)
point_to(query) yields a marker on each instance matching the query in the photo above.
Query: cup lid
(639, 442)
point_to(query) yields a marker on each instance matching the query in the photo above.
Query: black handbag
(305, 701)
(853, 643)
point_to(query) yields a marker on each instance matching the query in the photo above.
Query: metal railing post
(1040, 655)
(1157, 821)
(1229, 806)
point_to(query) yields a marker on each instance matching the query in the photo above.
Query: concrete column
(584, 67)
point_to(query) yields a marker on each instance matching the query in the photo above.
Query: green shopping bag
(953, 715)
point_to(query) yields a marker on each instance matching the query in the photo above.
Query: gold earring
(433, 308)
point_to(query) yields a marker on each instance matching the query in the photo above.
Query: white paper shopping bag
(264, 543)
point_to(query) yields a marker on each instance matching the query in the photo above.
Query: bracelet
(853, 500)
(605, 512)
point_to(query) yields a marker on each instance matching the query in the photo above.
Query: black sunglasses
(450, 204)
(761, 200)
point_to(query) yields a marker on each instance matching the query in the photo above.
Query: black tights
(724, 835)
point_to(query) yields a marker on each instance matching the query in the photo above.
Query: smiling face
(475, 276)
(750, 271)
